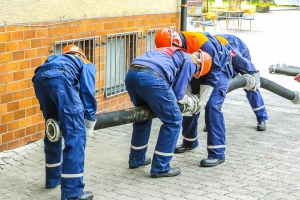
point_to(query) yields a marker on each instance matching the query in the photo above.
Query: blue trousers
(151, 89)
(214, 120)
(57, 93)
(257, 103)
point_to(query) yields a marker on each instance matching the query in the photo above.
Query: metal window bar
(91, 48)
(121, 49)
(150, 36)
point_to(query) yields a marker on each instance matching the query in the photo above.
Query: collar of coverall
(176, 40)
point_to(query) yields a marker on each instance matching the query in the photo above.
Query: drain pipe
(141, 113)
(183, 15)
(284, 69)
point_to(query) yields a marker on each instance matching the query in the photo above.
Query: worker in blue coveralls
(65, 86)
(212, 92)
(241, 62)
(158, 78)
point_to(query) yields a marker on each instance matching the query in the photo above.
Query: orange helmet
(163, 38)
(205, 60)
(73, 49)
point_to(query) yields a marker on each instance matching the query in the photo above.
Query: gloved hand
(190, 103)
(89, 125)
(250, 82)
(188, 89)
(257, 80)
(204, 95)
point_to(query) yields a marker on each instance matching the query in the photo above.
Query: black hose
(141, 113)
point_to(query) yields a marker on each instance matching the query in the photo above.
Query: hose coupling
(53, 131)
(296, 100)
(250, 82)
(272, 69)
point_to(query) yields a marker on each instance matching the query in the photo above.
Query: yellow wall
(27, 11)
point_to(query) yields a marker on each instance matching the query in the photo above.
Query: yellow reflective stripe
(190, 139)
(163, 154)
(256, 109)
(216, 147)
(71, 175)
(53, 165)
(138, 148)
(221, 40)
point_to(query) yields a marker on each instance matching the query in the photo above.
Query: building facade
(111, 33)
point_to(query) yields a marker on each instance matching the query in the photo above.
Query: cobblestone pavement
(259, 165)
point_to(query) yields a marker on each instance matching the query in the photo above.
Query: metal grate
(150, 35)
(121, 49)
(91, 48)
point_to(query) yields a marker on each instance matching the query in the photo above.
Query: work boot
(181, 148)
(83, 196)
(146, 162)
(211, 162)
(173, 172)
(261, 126)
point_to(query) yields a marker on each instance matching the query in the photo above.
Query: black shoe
(173, 172)
(181, 148)
(210, 162)
(261, 126)
(84, 196)
(204, 129)
(146, 162)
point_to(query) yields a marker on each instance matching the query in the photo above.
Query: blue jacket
(168, 61)
(82, 70)
(241, 59)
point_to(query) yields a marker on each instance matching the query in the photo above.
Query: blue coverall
(160, 88)
(241, 62)
(65, 86)
(219, 78)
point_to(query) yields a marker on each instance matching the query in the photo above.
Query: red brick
(18, 95)
(6, 57)
(29, 34)
(6, 78)
(19, 133)
(3, 147)
(18, 75)
(7, 137)
(3, 128)
(31, 130)
(14, 144)
(12, 126)
(5, 37)
(17, 35)
(13, 106)
(6, 98)
(12, 46)
(18, 55)
(19, 114)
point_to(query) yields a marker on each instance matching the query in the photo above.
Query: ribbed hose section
(277, 89)
(141, 113)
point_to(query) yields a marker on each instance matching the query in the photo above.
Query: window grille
(91, 49)
(120, 50)
(150, 35)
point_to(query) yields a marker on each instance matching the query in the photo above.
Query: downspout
(183, 23)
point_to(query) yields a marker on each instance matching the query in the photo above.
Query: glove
(257, 80)
(250, 82)
(188, 89)
(89, 125)
(190, 103)
(204, 95)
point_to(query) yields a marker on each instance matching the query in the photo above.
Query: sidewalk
(259, 165)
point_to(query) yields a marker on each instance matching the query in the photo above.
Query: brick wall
(25, 47)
